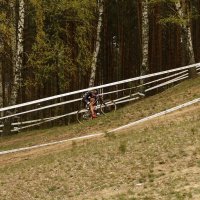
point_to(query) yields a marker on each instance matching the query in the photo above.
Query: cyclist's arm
(86, 98)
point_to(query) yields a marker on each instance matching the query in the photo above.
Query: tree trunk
(19, 55)
(1, 85)
(183, 11)
(98, 41)
(145, 37)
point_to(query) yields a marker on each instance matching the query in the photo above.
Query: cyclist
(90, 99)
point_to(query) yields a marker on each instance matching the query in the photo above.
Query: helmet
(95, 91)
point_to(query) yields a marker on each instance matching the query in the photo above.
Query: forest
(99, 99)
(49, 47)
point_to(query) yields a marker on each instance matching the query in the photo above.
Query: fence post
(192, 72)
(7, 125)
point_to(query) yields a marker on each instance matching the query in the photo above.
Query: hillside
(184, 92)
(159, 159)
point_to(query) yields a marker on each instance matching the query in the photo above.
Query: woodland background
(47, 46)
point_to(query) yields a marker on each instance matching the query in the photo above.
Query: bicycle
(101, 107)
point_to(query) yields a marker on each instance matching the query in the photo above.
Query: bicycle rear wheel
(108, 106)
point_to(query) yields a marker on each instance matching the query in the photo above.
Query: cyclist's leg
(92, 105)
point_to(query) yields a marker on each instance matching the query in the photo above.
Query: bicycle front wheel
(108, 106)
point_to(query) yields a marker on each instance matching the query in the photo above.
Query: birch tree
(181, 15)
(145, 37)
(145, 41)
(183, 10)
(18, 59)
(98, 42)
(16, 44)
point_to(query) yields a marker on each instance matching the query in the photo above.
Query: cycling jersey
(88, 95)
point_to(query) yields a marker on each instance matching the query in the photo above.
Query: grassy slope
(182, 93)
(159, 159)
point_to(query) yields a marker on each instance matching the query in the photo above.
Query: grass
(186, 91)
(159, 159)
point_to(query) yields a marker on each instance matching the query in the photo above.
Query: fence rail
(35, 113)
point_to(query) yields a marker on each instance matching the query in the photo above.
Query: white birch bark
(19, 54)
(145, 37)
(190, 46)
(186, 29)
(98, 42)
(13, 45)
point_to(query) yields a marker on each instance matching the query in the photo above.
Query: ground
(158, 159)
